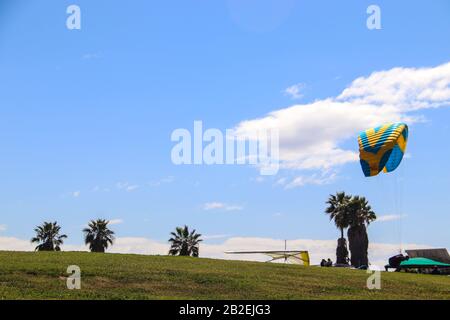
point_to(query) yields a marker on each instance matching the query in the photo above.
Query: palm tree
(338, 211)
(48, 237)
(360, 216)
(98, 236)
(184, 243)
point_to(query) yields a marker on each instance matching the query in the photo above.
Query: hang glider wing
(294, 257)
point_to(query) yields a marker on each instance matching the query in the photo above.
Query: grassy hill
(31, 275)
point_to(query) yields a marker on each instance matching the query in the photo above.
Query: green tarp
(422, 263)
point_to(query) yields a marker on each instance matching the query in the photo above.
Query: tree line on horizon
(98, 236)
(351, 213)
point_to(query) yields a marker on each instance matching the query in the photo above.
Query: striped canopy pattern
(382, 148)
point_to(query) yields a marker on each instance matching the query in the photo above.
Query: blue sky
(86, 115)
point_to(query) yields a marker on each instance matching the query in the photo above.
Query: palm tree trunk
(358, 244)
(341, 251)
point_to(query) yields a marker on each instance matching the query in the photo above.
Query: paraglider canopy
(382, 148)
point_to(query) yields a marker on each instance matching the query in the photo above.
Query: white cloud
(121, 185)
(213, 205)
(390, 217)
(126, 186)
(281, 181)
(234, 208)
(278, 214)
(159, 182)
(115, 221)
(295, 91)
(215, 236)
(312, 135)
(258, 179)
(91, 56)
(139, 246)
(220, 205)
(15, 244)
(76, 194)
(314, 179)
(169, 179)
(2, 227)
(406, 89)
(132, 187)
(100, 189)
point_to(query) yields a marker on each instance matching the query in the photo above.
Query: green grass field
(32, 275)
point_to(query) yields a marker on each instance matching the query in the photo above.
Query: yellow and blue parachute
(382, 148)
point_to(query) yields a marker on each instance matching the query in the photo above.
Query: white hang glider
(299, 257)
